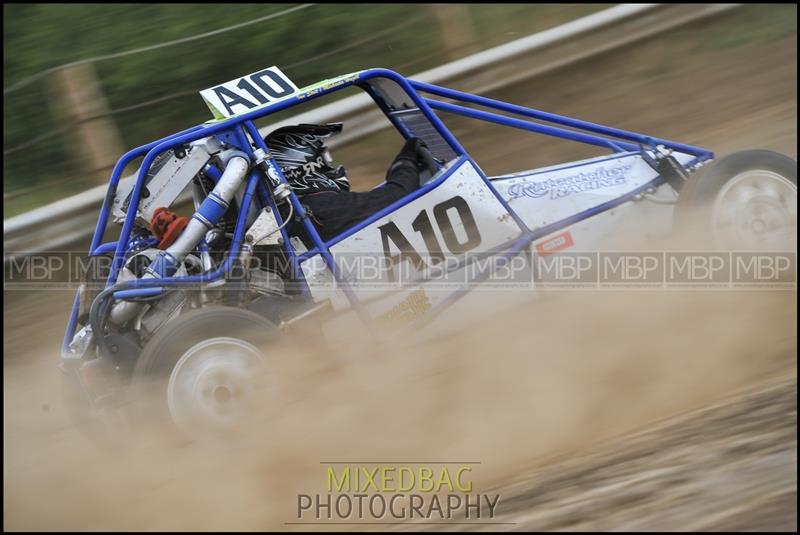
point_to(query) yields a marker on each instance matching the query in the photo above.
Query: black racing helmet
(301, 152)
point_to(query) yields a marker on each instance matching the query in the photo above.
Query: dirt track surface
(561, 414)
(731, 466)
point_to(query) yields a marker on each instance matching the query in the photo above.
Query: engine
(169, 242)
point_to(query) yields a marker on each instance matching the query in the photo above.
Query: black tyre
(744, 201)
(200, 373)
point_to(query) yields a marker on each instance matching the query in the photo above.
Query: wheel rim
(756, 209)
(211, 385)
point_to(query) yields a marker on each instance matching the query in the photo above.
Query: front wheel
(201, 373)
(744, 201)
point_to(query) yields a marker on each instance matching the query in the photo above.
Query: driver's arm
(335, 212)
(405, 169)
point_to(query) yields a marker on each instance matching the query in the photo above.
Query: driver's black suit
(335, 211)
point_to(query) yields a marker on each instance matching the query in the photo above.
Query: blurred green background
(153, 93)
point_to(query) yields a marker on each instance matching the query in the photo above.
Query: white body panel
(364, 252)
(544, 196)
(538, 197)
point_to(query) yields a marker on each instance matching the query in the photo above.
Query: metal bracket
(264, 230)
(163, 187)
(665, 164)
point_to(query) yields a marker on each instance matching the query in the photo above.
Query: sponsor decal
(409, 309)
(325, 85)
(307, 168)
(558, 242)
(602, 177)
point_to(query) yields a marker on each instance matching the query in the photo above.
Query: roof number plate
(248, 93)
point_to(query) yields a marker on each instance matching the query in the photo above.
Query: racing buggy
(183, 309)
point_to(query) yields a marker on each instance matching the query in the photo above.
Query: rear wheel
(202, 372)
(745, 201)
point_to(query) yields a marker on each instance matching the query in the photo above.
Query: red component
(555, 243)
(167, 226)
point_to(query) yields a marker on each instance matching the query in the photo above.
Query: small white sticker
(248, 92)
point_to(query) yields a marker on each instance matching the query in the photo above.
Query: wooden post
(92, 137)
(455, 27)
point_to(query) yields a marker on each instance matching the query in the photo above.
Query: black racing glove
(407, 165)
(411, 148)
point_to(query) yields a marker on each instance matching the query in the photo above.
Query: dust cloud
(553, 375)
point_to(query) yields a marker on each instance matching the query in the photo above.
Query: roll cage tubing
(233, 131)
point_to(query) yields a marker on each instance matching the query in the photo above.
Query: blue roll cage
(237, 129)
